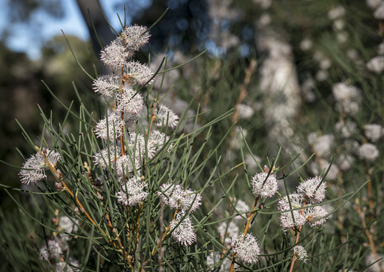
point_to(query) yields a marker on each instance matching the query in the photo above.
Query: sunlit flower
(130, 102)
(115, 54)
(138, 73)
(135, 38)
(107, 85)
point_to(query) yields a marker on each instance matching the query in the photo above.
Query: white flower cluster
(33, 169)
(121, 85)
(186, 201)
(216, 257)
(51, 250)
(301, 253)
(348, 98)
(264, 185)
(309, 192)
(246, 248)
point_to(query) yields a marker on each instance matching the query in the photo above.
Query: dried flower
(183, 233)
(263, 186)
(301, 253)
(52, 252)
(309, 189)
(132, 192)
(34, 167)
(246, 248)
(368, 152)
(164, 115)
(112, 129)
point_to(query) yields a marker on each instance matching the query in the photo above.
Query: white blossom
(228, 231)
(135, 36)
(107, 85)
(376, 64)
(33, 169)
(132, 192)
(183, 233)
(115, 54)
(165, 116)
(312, 189)
(112, 129)
(138, 73)
(306, 44)
(346, 129)
(246, 248)
(373, 132)
(53, 251)
(379, 12)
(130, 102)
(301, 253)
(263, 186)
(336, 12)
(368, 152)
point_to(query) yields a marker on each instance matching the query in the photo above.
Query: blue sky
(71, 24)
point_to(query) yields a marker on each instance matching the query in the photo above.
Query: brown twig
(247, 226)
(297, 237)
(243, 89)
(60, 179)
(367, 232)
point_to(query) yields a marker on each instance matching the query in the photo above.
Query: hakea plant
(124, 162)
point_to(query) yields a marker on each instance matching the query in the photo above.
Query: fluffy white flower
(164, 115)
(301, 253)
(287, 222)
(309, 188)
(263, 186)
(107, 85)
(377, 63)
(175, 196)
(34, 167)
(215, 257)
(316, 216)
(67, 225)
(373, 132)
(135, 38)
(63, 267)
(323, 145)
(112, 129)
(228, 231)
(246, 248)
(132, 192)
(379, 12)
(368, 152)
(346, 129)
(115, 54)
(102, 158)
(183, 233)
(343, 92)
(374, 4)
(53, 251)
(138, 73)
(245, 111)
(322, 167)
(336, 12)
(345, 161)
(130, 102)
(241, 207)
(306, 44)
